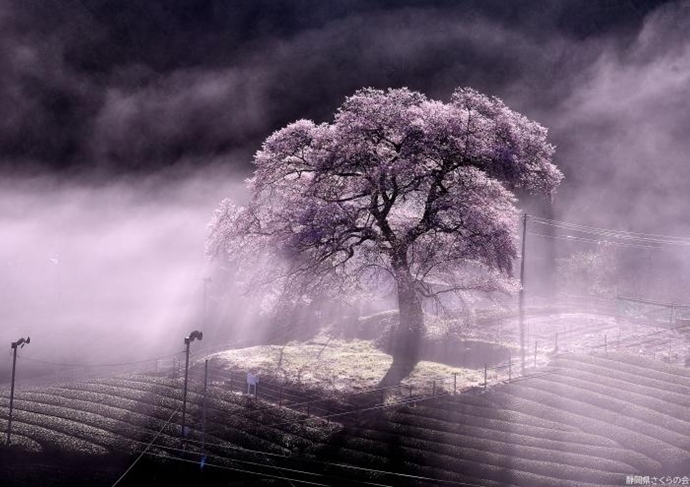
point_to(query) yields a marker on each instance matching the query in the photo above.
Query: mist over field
(104, 273)
(122, 133)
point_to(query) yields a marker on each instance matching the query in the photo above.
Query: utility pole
(522, 292)
(19, 343)
(203, 411)
(207, 280)
(187, 341)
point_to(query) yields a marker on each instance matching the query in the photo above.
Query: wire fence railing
(212, 383)
(272, 394)
(651, 329)
(279, 391)
(285, 391)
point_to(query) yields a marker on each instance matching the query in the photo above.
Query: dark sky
(115, 87)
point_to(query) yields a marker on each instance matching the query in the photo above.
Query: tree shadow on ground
(399, 370)
(405, 349)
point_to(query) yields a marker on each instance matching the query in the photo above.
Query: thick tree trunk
(411, 322)
(406, 339)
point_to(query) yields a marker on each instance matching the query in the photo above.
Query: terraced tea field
(586, 419)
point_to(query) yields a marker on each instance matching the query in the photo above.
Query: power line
(362, 468)
(306, 460)
(246, 462)
(314, 474)
(266, 453)
(296, 480)
(147, 447)
(99, 365)
(613, 233)
(538, 219)
(260, 474)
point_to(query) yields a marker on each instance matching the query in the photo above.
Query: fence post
(485, 377)
(455, 383)
(606, 346)
(433, 388)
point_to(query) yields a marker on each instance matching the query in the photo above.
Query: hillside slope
(583, 420)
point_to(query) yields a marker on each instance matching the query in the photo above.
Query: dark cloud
(205, 110)
(45, 108)
(623, 130)
(130, 86)
(143, 85)
(187, 114)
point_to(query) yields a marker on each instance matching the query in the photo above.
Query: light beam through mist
(99, 273)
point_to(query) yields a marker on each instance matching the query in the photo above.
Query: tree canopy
(398, 188)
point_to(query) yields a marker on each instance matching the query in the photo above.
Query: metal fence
(652, 311)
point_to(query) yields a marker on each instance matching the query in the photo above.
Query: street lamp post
(19, 343)
(187, 340)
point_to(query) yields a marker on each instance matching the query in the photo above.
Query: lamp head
(196, 334)
(21, 342)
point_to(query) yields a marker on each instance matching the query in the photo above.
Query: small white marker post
(252, 380)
